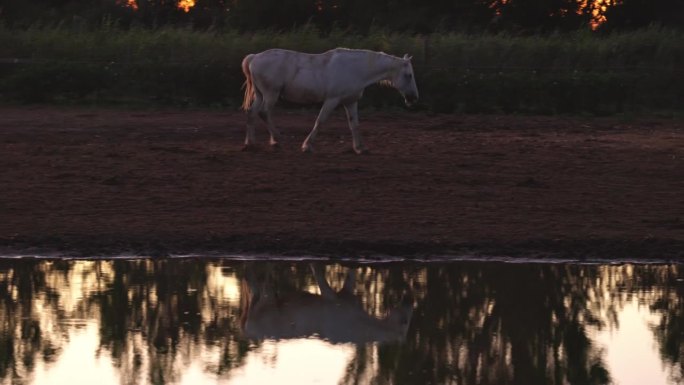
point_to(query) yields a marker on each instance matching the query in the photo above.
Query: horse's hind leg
(265, 114)
(328, 107)
(353, 119)
(254, 110)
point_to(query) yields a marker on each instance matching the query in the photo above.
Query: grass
(639, 71)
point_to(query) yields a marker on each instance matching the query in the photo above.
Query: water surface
(195, 321)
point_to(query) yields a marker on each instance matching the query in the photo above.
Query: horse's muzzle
(410, 99)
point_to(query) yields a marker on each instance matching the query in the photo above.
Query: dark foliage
(521, 16)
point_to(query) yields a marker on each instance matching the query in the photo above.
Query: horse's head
(404, 81)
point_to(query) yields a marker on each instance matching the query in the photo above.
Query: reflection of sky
(79, 362)
(630, 352)
(301, 361)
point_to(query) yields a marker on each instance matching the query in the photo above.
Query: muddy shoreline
(579, 250)
(98, 182)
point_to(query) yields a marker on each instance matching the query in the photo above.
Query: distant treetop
(360, 16)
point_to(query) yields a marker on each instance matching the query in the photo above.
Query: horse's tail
(250, 93)
(245, 303)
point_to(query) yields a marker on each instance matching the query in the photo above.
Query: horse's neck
(383, 68)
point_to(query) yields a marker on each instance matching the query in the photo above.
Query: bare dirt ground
(95, 182)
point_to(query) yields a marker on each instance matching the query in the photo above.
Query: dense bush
(563, 73)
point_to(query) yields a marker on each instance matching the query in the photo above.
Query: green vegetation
(577, 72)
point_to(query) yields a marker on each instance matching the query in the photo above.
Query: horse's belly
(305, 87)
(301, 95)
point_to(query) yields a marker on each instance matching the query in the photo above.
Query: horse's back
(288, 60)
(298, 77)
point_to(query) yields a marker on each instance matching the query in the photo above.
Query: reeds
(581, 72)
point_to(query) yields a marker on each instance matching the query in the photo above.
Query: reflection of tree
(670, 331)
(542, 312)
(24, 339)
(667, 300)
(498, 324)
(161, 312)
(154, 316)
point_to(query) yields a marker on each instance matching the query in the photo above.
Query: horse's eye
(408, 76)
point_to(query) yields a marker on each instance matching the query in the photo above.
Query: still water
(208, 321)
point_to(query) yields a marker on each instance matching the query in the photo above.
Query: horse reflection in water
(334, 316)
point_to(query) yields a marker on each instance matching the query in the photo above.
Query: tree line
(358, 16)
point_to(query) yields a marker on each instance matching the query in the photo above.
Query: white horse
(335, 77)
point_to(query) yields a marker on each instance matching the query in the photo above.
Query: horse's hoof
(307, 150)
(275, 146)
(362, 151)
(249, 148)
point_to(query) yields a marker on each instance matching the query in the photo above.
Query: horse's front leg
(328, 107)
(353, 119)
(319, 275)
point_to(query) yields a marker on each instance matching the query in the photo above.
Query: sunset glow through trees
(185, 5)
(595, 8)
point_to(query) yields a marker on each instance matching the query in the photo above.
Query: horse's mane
(367, 51)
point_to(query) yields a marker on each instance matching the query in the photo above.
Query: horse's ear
(407, 57)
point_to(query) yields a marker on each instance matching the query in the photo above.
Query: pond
(222, 321)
